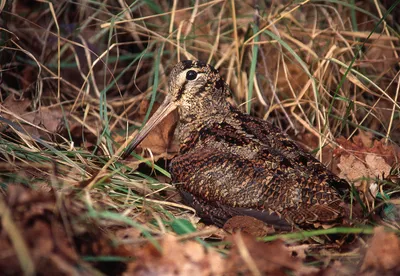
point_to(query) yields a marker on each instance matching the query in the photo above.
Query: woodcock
(231, 163)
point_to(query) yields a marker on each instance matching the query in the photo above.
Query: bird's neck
(203, 111)
(192, 120)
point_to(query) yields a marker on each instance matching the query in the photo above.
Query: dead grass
(76, 75)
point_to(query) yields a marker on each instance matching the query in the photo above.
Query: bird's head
(196, 89)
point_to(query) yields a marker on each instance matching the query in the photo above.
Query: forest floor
(80, 78)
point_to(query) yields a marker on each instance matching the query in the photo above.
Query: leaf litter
(366, 163)
(176, 258)
(383, 254)
(56, 246)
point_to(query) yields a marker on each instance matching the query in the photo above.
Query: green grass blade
(253, 67)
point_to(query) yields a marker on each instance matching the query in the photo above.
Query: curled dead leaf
(383, 254)
(176, 258)
(363, 144)
(160, 138)
(250, 256)
(362, 159)
(248, 225)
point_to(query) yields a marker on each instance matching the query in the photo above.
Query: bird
(233, 164)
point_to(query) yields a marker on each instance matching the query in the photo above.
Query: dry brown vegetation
(78, 78)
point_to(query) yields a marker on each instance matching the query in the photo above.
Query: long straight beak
(165, 108)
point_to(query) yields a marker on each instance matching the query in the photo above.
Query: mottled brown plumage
(231, 163)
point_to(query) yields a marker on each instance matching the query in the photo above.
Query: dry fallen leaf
(364, 158)
(248, 225)
(12, 107)
(160, 138)
(380, 56)
(54, 244)
(176, 258)
(383, 254)
(354, 169)
(43, 233)
(50, 119)
(249, 256)
(363, 144)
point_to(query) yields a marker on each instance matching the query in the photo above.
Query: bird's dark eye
(191, 75)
